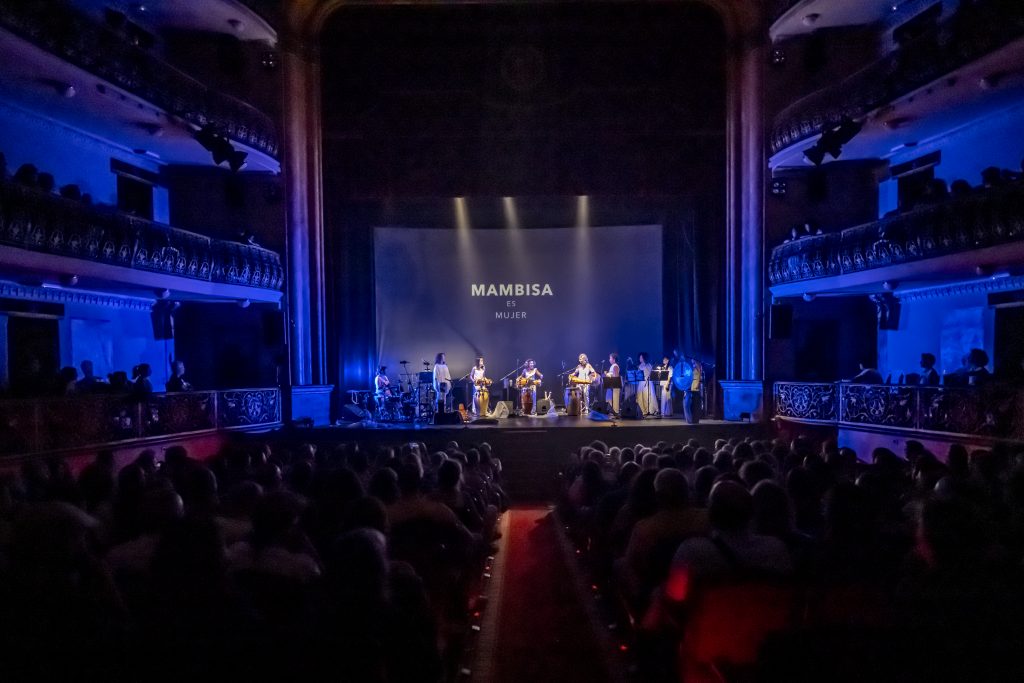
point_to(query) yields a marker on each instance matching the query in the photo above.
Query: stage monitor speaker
(503, 409)
(630, 410)
(353, 413)
(780, 322)
(601, 407)
(452, 418)
(543, 405)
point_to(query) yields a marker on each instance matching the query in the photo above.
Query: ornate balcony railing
(994, 410)
(970, 34)
(102, 52)
(91, 421)
(31, 219)
(983, 220)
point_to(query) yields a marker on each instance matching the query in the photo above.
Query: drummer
(477, 377)
(531, 379)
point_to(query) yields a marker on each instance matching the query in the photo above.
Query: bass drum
(682, 375)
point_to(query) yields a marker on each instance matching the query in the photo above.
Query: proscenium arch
(743, 24)
(305, 19)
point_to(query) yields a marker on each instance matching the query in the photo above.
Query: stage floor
(531, 422)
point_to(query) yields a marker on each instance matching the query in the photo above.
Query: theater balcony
(981, 235)
(82, 424)
(870, 415)
(790, 18)
(67, 64)
(963, 67)
(55, 241)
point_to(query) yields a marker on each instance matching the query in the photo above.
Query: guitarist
(530, 380)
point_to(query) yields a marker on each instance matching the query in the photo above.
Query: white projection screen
(512, 294)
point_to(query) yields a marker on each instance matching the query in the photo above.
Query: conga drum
(574, 402)
(526, 400)
(483, 402)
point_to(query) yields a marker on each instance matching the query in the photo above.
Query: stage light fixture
(815, 154)
(220, 148)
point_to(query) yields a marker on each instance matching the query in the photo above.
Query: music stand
(656, 378)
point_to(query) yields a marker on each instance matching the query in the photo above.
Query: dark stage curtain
(351, 306)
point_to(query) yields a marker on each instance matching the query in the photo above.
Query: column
(301, 162)
(744, 303)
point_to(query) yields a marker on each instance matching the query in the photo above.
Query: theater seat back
(727, 625)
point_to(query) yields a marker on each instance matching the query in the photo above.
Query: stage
(534, 450)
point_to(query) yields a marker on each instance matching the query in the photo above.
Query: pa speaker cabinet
(447, 418)
(503, 409)
(544, 405)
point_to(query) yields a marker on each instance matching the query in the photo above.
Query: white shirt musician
(531, 377)
(442, 381)
(477, 377)
(612, 395)
(666, 388)
(585, 376)
(381, 383)
(645, 399)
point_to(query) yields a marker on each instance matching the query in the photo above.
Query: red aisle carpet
(544, 633)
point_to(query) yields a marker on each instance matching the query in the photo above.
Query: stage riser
(533, 458)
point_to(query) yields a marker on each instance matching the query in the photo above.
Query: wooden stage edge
(535, 451)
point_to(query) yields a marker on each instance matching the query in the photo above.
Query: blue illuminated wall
(948, 327)
(992, 141)
(72, 157)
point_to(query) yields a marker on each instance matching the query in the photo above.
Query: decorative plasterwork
(13, 290)
(999, 284)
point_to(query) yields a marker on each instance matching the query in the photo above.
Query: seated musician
(612, 395)
(478, 376)
(442, 381)
(530, 380)
(582, 376)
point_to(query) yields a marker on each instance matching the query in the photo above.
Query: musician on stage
(381, 383)
(531, 378)
(442, 381)
(584, 375)
(645, 392)
(612, 395)
(478, 377)
(666, 388)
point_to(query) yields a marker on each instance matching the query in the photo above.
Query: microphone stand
(507, 375)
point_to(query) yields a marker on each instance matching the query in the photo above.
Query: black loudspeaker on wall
(353, 413)
(780, 322)
(163, 319)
